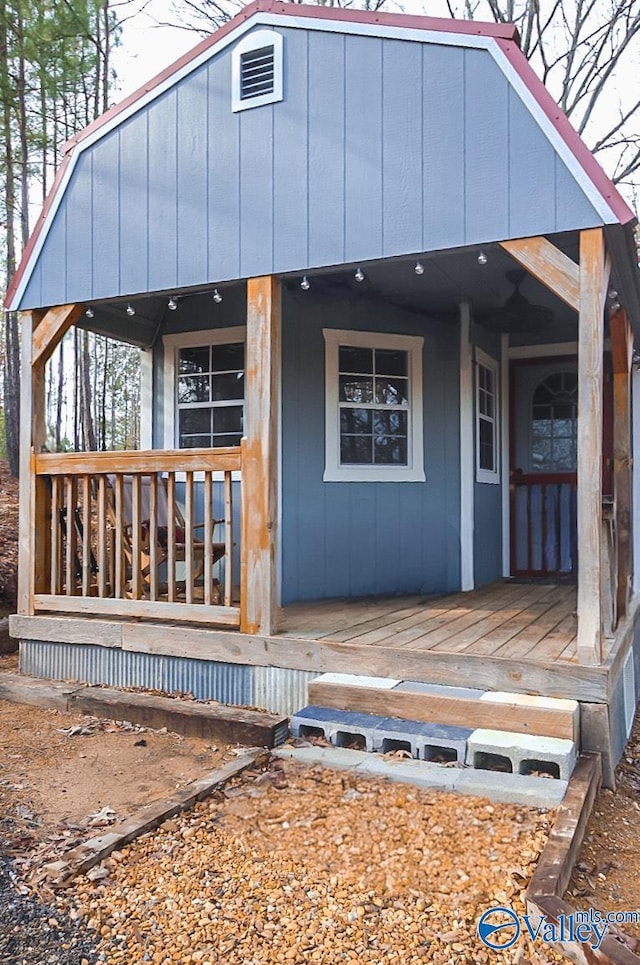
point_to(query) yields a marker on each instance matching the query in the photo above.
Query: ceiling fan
(517, 314)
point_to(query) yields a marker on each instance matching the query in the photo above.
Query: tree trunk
(11, 374)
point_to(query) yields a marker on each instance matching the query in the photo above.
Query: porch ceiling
(449, 278)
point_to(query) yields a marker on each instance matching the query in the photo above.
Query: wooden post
(594, 278)
(621, 355)
(259, 458)
(32, 436)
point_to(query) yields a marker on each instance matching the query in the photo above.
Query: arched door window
(554, 423)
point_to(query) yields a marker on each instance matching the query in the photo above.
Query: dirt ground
(607, 873)
(63, 776)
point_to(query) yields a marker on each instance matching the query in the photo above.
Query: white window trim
(334, 472)
(171, 344)
(254, 41)
(488, 475)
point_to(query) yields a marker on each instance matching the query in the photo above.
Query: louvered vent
(257, 73)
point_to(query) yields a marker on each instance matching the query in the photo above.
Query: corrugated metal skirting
(271, 688)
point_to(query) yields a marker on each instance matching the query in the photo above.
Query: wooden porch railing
(136, 533)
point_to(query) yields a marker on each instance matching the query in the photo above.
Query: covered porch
(203, 536)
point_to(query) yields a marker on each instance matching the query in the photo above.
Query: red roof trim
(572, 139)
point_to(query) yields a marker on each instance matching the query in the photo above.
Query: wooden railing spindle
(136, 542)
(208, 537)
(171, 537)
(228, 538)
(188, 525)
(86, 535)
(56, 541)
(153, 536)
(102, 537)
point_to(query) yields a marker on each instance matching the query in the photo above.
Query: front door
(543, 480)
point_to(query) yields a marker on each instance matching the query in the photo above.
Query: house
(386, 299)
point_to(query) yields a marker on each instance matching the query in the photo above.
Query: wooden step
(516, 713)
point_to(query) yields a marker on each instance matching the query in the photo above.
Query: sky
(148, 48)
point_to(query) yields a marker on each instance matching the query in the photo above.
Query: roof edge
(601, 181)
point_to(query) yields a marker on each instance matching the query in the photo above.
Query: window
(487, 464)
(373, 405)
(256, 69)
(554, 424)
(205, 408)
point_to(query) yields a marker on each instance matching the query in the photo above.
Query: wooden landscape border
(85, 856)
(545, 894)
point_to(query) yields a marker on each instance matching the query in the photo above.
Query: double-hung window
(208, 399)
(487, 463)
(373, 407)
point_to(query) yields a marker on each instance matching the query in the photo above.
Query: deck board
(532, 621)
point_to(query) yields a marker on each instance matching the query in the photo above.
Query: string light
(482, 258)
(172, 305)
(217, 297)
(89, 312)
(359, 275)
(130, 310)
(304, 284)
(419, 269)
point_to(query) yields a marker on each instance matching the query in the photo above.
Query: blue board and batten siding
(359, 539)
(380, 147)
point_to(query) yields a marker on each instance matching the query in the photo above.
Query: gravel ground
(36, 934)
(306, 865)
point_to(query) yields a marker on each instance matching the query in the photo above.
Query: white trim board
(411, 344)
(542, 351)
(467, 457)
(491, 477)
(204, 336)
(490, 44)
(505, 464)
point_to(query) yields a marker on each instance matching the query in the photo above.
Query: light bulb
(304, 284)
(482, 258)
(217, 297)
(172, 305)
(419, 269)
(89, 312)
(130, 310)
(359, 275)
(613, 293)
(615, 306)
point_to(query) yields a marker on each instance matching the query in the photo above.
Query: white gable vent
(256, 64)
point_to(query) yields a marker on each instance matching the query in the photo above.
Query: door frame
(512, 354)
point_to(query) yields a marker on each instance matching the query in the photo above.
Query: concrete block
(439, 690)
(524, 752)
(536, 792)
(444, 740)
(355, 680)
(382, 734)
(507, 788)
(336, 726)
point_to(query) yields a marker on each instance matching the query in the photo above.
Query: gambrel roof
(395, 135)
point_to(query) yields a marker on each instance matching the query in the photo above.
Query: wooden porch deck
(523, 621)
